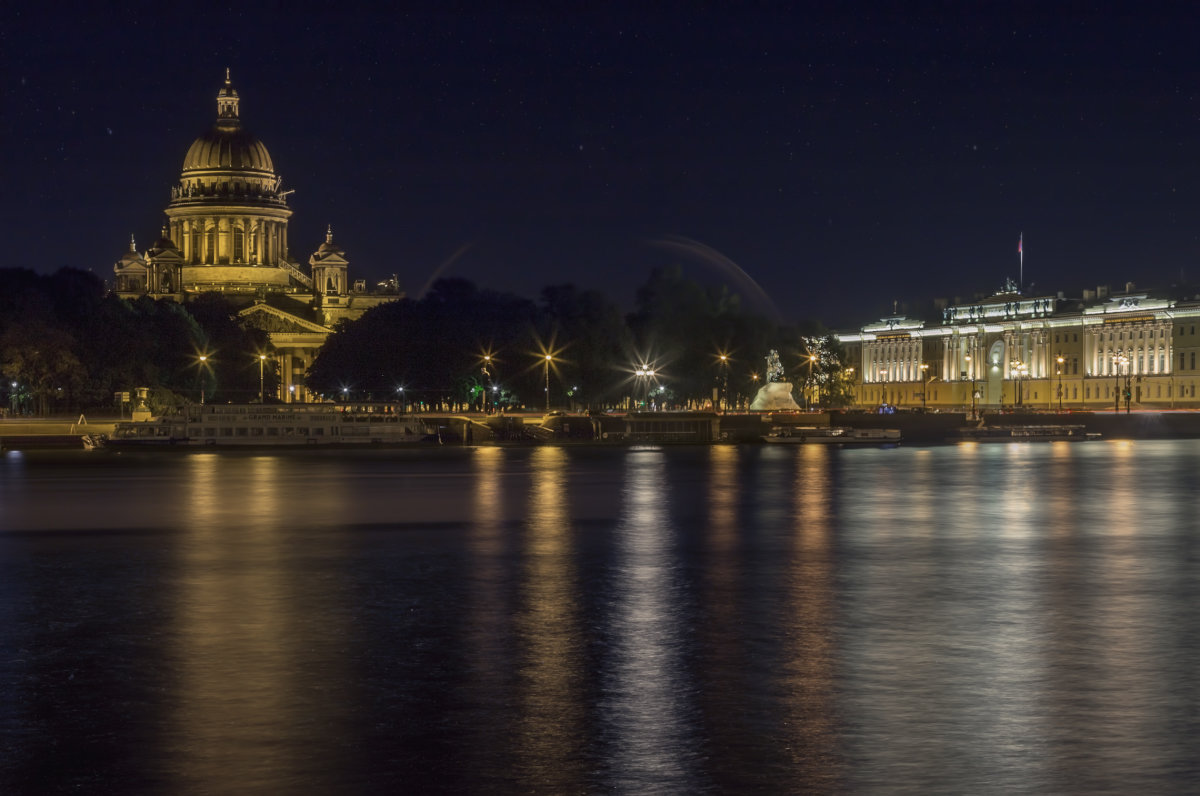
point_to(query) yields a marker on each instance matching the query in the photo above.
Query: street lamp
(1059, 359)
(644, 374)
(971, 369)
(812, 358)
(487, 371)
(262, 360)
(1018, 369)
(203, 365)
(1118, 361)
(883, 386)
(548, 359)
(724, 403)
(924, 385)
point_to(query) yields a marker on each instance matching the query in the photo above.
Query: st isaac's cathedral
(226, 231)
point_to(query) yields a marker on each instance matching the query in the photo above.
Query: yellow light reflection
(549, 727)
(243, 721)
(807, 679)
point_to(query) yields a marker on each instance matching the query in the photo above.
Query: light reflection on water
(971, 618)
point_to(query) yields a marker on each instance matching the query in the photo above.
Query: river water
(1011, 618)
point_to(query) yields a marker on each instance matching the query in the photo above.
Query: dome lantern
(227, 100)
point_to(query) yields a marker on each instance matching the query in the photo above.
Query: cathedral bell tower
(329, 275)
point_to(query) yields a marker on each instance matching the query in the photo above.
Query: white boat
(272, 425)
(1027, 433)
(832, 435)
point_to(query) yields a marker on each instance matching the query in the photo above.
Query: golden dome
(227, 146)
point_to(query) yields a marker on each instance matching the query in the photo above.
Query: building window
(1192, 361)
(1074, 393)
(239, 245)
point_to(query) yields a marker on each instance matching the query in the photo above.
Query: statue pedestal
(775, 397)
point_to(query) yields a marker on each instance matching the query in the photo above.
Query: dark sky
(842, 157)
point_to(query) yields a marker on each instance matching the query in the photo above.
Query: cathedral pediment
(276, 321)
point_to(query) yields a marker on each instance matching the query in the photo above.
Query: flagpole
(1021, 252)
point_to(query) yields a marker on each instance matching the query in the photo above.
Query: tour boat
(272, 425)
(1027, 433)
(832, 435)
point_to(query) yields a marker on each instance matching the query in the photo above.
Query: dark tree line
(460, 347)
(68, 345)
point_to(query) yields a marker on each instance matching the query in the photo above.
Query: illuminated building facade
(226, 231)
(1034, 352)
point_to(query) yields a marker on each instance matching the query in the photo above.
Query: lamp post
(883, 386)
(548, 359)
(262, 360)
(1018, 369)
(203, 365)
(1118, 361)
(971, 369)
(1059, 359)
(724, 403)
(644, 374)
(487, 371)
(924, 385)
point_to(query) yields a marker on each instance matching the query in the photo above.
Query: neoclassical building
(226, 230)
(1038, 352)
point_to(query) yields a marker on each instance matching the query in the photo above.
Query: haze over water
(1012, 618)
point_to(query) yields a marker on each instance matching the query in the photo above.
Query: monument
(776, 394)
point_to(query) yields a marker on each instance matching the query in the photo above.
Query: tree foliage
(69, 345)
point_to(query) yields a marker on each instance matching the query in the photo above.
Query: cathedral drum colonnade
(226, 231)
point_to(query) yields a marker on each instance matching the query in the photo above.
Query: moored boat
(832, 435)
(1027, 433)
(282, 425)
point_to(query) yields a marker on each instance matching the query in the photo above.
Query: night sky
(842, 157)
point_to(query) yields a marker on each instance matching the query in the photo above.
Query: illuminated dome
(227, 146)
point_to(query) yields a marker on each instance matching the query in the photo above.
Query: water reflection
(644, 713)
(245, 716)
(549, 745)
(807, 676)
(487, 620)
(960, 619)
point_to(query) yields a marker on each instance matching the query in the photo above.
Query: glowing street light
(644, 374)
(1019, 371)
(548, 361)
(262, 360)
(1119, 361)
(971, 368)
(203, 365)
(1059, 359)
(808, 386)
(487, 372)
(724, 403)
